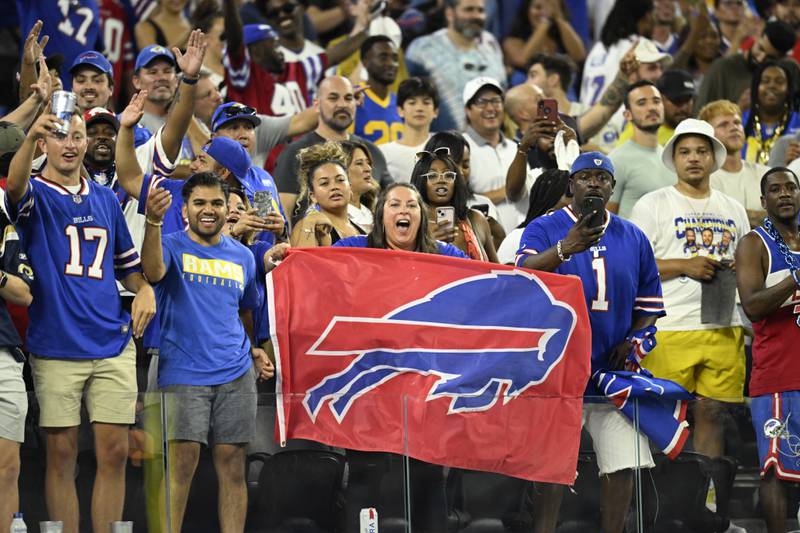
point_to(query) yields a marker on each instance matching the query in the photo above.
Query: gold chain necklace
(765, 145)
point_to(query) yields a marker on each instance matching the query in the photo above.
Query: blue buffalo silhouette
(471, 376)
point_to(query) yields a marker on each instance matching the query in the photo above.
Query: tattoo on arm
(612, 97)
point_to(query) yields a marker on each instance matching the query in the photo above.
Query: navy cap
(231, 155)
(258, 32)
(233, 111)
(591, 161)
(149, 53)
(92, 59)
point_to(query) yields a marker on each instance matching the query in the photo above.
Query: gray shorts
(13, 398)
(227, 411)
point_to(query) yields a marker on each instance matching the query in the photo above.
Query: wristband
(561, 255)
(156, 224)
(190, 81)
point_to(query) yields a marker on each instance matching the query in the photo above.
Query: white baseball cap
(695, 127)
(647, 52)
(474, 85)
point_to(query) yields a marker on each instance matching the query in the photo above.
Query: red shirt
(118, 41)
(273, 94)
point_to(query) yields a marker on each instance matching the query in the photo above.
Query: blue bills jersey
(78, 245)
(619, 275)
(73, 27)
(377, 120)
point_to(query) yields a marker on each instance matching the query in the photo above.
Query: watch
(3, 279)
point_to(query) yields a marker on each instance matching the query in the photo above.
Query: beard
(468, 28)
(647, 128)
(337, 121)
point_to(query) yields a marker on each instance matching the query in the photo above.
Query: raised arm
(181, 115)
(758, 301)
(129, 173)
(25, 113)
(158, 201)
(19, 171)
(234, 31)
(347, 47)
(32, 50)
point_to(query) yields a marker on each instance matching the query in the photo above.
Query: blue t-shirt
(377, 120)
(203, 341)
(78, 245)
(619, 276)
(360, 241)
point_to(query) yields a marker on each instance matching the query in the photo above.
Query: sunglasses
(236, 110)
(288, 9)
(442, 151)
(472, 67)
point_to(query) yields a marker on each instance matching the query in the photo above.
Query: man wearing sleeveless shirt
(767, 264)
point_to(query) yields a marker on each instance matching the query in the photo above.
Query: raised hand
(44, 84)
(192, 60)
(45, 125)
(33, 48)
(132, 114)
(581, 236)
(158, 201)
(629, 65)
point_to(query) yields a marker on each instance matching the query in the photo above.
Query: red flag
(451, 361)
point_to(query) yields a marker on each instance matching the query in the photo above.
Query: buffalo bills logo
(476, 335)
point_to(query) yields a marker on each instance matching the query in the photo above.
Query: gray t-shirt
(778, 153)
(638, 170)
(270, 133)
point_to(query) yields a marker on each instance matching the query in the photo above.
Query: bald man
(521, 104)
(336, 105)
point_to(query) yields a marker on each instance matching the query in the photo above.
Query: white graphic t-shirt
(680, 227)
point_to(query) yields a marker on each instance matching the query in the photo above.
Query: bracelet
(156, 224)
(561, 255)
(190, 81)
(796, 276)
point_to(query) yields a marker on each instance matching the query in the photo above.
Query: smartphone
(594, 209)
(548, 108)
(262, 201)
(446, 214)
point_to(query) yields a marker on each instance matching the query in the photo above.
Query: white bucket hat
(695, 127)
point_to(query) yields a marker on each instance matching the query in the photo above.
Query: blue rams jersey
(203, 341)
(78, 245)
(73, 27)
(377, 120)
(619, 275)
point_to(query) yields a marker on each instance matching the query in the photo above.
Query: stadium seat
(298, 492)
(484, 502)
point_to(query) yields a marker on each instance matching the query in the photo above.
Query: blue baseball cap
(231, 155)
(92, 59)
(258, 32)
(592, 161)
(233, 111)
(149, 53)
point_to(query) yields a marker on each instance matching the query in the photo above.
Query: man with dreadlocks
(768, 277)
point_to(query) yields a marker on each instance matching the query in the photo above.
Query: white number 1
(74, 267)
(599, 266)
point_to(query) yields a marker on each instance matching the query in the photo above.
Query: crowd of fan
(308, 113)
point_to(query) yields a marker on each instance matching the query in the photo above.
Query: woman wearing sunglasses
(324, 182)
(443, 189)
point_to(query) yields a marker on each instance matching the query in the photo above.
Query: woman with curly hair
(438, 179)
(363, 187)
(324, 183)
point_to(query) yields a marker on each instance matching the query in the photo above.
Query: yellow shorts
(108, 384)
(709, 362)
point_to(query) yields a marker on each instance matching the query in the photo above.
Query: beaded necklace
(765, 145)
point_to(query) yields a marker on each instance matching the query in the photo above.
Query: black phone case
(594, 204)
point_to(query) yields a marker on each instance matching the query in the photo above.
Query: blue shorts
(778, 442)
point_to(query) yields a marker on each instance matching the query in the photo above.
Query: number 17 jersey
(78, 245)
(619, 275)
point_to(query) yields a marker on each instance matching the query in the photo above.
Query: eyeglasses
(447, 175)
(442, 151)
(285, 8)
(483, 102)
(235, 110)
(472, 67)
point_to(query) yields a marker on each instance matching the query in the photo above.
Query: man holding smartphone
(606, 252)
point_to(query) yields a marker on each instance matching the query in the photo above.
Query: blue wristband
(190, 81)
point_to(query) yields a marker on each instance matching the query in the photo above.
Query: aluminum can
(63, 106)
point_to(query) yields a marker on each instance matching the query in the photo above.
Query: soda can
(51, 526)
(63, 106)
(368, 520)
(121, 527)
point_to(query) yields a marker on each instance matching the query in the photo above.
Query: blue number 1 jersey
(78, 245)
(619, 276)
